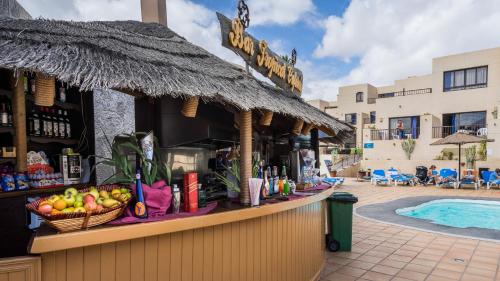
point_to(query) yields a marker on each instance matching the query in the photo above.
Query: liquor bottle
(4, 119)
(271, 181)
(9, 114)
(55, 123)
(265, 188)
(140, 206)
(49, 131)
(68, 125)
(276, 180)
(62, 124)
(26, 84)
(286, 186)
(32, 86)
(62, 94)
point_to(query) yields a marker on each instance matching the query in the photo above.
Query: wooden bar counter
(282, 241)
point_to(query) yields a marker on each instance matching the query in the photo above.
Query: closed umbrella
(460, 139)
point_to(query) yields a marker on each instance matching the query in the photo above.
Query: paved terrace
(386, 252)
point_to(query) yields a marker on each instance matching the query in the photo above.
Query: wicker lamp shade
(306, 129)
(266, 119)
(297, 127)
(190, 107)
(45, 90)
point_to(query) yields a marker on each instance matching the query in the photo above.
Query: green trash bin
(340, 221)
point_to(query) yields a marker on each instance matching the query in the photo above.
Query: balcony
(394, 134)
(444, 131)
(405, 93)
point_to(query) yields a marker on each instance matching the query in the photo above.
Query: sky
(339, 42)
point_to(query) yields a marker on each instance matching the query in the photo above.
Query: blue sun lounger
(379, 177)
(447, 178)
(488, 181)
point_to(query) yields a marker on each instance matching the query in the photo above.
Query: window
(403, 127)
(351, 118)
(470, 78)
(359, 97)
(373, 117)
(468, 122)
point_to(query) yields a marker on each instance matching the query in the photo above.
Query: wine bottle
(55, 124)
(62, 124)
(276, 180)
(68, 125)
(140, 206)
(271, 181)
(37, 128)
(4, 119)
(9, 113)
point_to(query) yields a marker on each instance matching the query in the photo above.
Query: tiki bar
(129, 153)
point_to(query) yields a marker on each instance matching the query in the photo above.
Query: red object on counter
(191, 192)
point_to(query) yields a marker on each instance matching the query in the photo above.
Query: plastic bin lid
(343, 197)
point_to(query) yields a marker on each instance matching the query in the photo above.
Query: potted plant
(408, 146)
(470, 157)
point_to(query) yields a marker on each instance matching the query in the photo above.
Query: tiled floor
(386, 252)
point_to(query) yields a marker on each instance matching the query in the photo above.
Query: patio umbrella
(460, 139)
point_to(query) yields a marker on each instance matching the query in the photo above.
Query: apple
(88, 198)
(103, 194)
(70, 191)
(70, 199)
(79, 197)
(124, 197)
(94, 192)
(100, 200)
(45, 208)
(115, 193)
(78, 204)
(99, 208)
(60, 204)
(124, 190)
(90, 206)
(52, 199)
(45, 202)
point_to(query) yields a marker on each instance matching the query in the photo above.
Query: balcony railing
(405, 93)
(444, 131)
(394, 134)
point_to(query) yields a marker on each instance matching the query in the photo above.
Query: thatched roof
(459, 139)
(12, 9)
(142, 57)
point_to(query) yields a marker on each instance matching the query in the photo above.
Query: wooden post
(19, 119)
(315, 145)
(246, 155)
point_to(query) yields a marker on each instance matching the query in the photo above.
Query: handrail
(405, 93)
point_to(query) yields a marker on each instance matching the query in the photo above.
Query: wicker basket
(190, 107)
(45, 90)
(77, 221)
(266, 119)
(297, 127)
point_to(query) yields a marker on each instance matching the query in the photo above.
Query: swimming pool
(460, 213)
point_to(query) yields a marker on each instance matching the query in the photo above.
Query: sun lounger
(379, 177)
(447, 178)
(489, 182)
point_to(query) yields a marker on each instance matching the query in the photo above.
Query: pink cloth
(129, 218)
(158, 198)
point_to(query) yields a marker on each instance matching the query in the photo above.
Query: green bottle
(286, 186)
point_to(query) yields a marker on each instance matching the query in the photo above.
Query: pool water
(457, 213)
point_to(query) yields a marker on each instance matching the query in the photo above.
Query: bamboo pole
(19, 119)
(246, 155)
(297, 127)
(266, 119)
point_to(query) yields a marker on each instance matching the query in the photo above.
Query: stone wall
(114, 113)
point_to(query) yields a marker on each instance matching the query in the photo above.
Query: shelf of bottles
(49, 124)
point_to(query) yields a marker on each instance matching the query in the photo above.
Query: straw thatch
(459, 139)
(143, 58)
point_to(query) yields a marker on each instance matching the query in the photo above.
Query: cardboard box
(191, 192)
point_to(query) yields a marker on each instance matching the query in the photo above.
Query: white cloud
(396, 39)
(281, 12)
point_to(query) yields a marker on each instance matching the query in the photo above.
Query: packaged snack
(21, 181)
(8, 182)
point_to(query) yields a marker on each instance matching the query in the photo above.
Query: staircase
(346, 162)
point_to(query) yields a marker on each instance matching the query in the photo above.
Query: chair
(396, 177)
(334, 181)
(489, 182)
(379, 177)
(447, 178)
(469, 178)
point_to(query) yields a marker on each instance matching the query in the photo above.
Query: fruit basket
(65, 213)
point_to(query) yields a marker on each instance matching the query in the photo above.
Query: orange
(60, 204)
